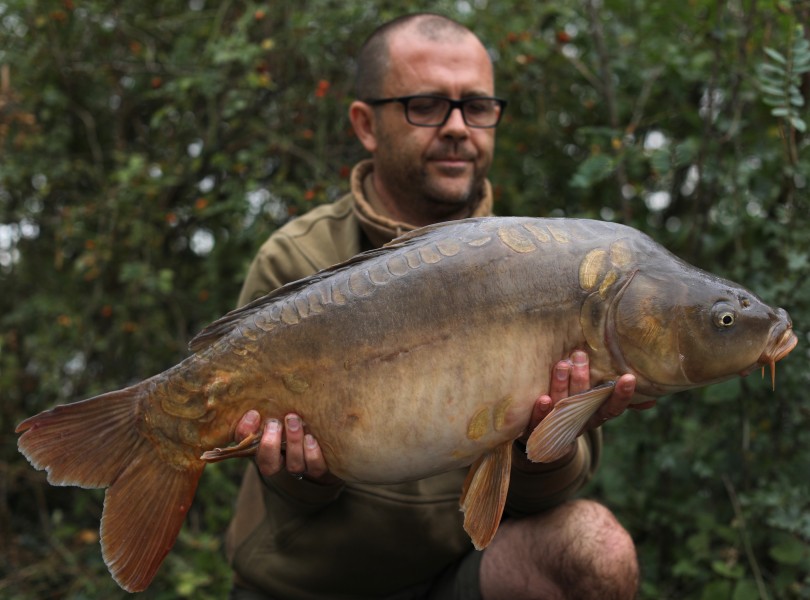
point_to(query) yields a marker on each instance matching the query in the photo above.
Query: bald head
(374, 59)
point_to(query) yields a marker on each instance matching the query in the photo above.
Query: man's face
(438, 170)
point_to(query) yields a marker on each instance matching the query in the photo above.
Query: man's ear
(362, 117)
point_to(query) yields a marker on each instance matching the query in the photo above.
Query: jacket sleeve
(535, 487)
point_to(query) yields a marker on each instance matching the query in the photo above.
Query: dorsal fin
(225, 324)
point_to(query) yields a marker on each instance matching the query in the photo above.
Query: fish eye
(726, 319)
(724, 316)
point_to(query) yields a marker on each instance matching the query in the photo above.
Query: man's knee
(600, 561)
(576, 551)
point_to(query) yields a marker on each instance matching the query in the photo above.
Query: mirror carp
(423, 356)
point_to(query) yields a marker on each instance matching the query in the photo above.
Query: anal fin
(484, 494)
(552, 438)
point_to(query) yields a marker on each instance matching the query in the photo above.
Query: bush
(146, 150)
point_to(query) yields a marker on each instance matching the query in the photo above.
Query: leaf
(686, 152)
(790, 551)
(745, 590)
(773, 90)
(716, 590)
(730, 571)
(771, 101)
(592, 170)
(799, 124)
(776, 55)
(661, 162)
(767, 68)
(797, 261)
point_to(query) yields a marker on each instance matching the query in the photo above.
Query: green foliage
(147, 149)
(780, 80)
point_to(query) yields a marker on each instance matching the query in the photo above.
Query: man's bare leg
(576, 551)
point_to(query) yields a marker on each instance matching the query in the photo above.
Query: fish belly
(400, 414)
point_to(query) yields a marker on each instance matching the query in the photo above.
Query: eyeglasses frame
(454, 104)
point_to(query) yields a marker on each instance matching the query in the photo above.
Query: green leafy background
(147, 149)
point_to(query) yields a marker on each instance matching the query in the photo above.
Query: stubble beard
(436, 199)
(436, 194)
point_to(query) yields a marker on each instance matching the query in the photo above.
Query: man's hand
(571, 377)
(301, 455)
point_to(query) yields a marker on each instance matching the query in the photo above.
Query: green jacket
(301, 540)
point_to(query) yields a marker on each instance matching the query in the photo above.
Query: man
(299, 532)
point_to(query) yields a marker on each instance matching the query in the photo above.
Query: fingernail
(293, 423)
(251, 417)
(628, 386)
(273, 426)
(310, 441)
(561, 372)
(579, 359)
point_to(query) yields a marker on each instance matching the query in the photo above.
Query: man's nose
(455, 126)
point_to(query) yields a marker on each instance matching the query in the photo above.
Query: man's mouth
(451, 162)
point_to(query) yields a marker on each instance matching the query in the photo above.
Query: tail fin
(96, 443)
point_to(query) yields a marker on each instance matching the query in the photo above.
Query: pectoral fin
(552, 438)
(484, 494)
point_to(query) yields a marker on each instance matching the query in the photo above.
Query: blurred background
(147, 149)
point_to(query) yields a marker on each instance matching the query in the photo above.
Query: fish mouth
(782, 346)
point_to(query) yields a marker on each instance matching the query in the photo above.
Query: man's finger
(248, 424)
(560, 377)
(542, 406)
(316, 464)
(268, 456)
(580, 373)
(294, 455)
(618, 401)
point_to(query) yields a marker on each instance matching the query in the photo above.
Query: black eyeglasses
(433, 111)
